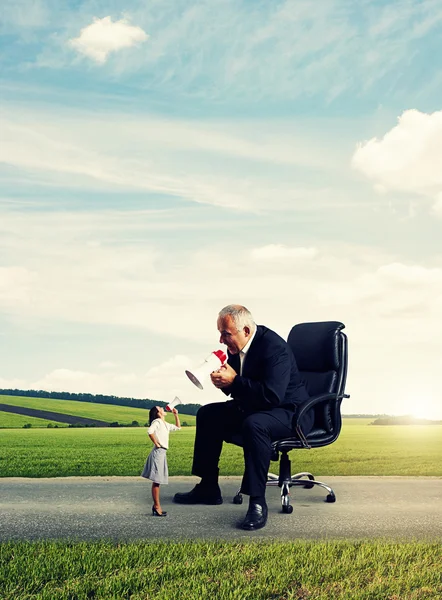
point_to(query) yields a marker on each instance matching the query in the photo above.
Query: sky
(162, 159)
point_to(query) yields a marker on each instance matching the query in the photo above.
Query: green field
(9, 421)
(221, 571)
(333, 570)
(361, 449)
(103, 412)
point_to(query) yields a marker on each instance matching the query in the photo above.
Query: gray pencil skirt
(155, 467)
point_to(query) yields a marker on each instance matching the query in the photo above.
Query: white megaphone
(174, 403)
(212, 363)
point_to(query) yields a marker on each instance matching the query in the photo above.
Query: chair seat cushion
(316, 432)
(315, 435)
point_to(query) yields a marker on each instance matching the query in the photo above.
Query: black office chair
(320, 350)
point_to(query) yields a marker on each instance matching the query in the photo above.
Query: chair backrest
(320, 350)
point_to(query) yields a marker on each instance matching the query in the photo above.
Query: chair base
(285, 481)
(305, 480)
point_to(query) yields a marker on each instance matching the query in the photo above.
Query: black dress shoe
(200, 495)
(256, 517)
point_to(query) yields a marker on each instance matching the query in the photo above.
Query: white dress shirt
(243, 352)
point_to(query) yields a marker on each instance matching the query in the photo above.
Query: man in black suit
(263, 380)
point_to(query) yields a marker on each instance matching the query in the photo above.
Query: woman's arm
(177, 418)
(154, 439)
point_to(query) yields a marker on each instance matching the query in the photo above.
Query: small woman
(155, 468)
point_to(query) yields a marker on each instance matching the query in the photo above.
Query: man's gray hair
(240, 315)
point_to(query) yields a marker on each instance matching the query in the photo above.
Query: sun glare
(424, 406)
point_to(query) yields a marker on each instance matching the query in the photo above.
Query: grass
(361, 449)
(221, 570)
(103, 412)
(300, 570)
(11, 421)
(87, 451)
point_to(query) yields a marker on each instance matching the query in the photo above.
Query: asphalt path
(119, 509)
(51, 416)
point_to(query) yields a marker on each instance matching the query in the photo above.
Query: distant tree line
(188, 409)
(113, 424)
(404, 420)
(363, 416)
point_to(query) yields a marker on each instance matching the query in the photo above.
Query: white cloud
(437, 206)
(108, 364)
(391, 308)
(73, 380)
(281, 252)
(103, 36)
(216, 164)
(411, 274)
(408, 158)
(76, 381)
(59, 274)
(15, 284)
(14, 384)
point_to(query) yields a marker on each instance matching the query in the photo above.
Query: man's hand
(223, 377)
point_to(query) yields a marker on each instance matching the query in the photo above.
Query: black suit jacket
(270, 376)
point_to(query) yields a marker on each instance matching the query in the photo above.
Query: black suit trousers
(222, 421)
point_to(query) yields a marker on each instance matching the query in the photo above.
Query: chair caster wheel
(308, 486)
(288, 509)
(330, 498)
(237, 499)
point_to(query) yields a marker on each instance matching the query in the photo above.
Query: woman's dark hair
(153, 414)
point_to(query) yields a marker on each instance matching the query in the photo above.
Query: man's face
(234, 339)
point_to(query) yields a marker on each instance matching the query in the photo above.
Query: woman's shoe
(155, 513)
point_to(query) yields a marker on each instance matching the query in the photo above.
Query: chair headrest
(316, 346)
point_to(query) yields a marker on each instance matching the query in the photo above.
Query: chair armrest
(313, 401)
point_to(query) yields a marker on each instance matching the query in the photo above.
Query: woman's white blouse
(161, 430)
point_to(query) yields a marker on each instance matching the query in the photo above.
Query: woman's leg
(156, 496)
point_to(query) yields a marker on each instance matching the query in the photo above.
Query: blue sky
(159, 160)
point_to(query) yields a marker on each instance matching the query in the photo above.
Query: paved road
(119, 508)
(51, 416)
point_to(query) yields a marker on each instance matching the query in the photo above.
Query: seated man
(263, 380)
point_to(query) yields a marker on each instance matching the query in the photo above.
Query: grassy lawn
(87, 451)
(361, 449)
(91, 410)
(221, 571)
